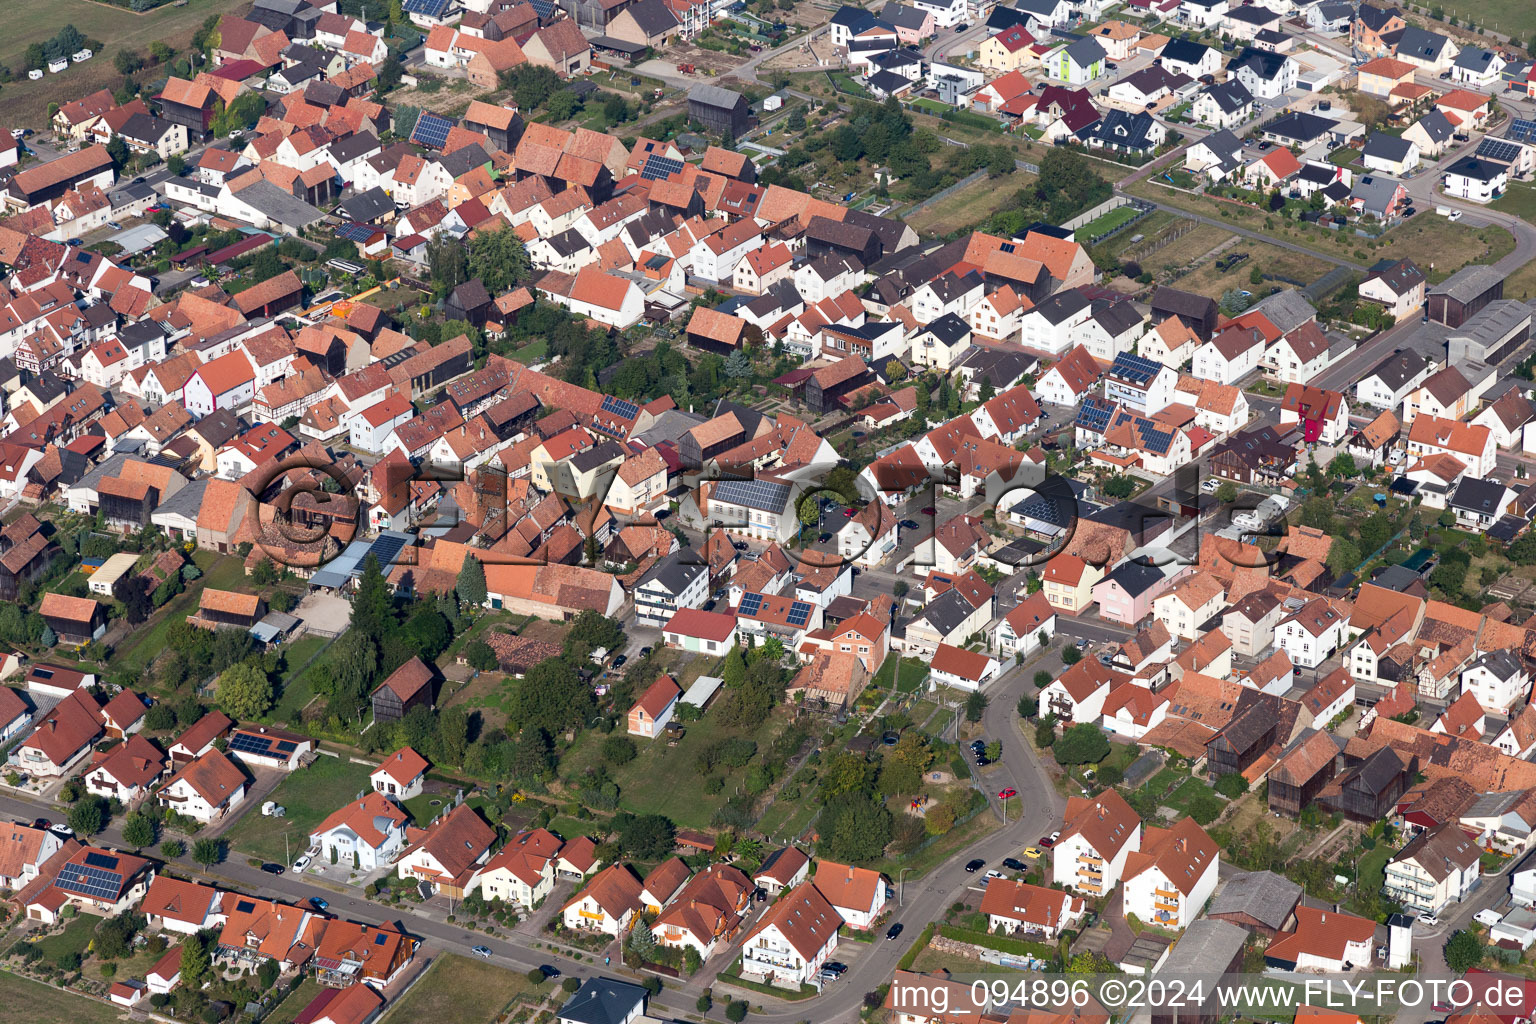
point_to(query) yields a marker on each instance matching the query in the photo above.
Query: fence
(944, 193)
(1089, 216)
(1327, 284)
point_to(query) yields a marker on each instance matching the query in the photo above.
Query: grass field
(968, 206)
(1108, 222)
(1178, 254)
(461, 990)
(31, 1002)
(1520, 200)
(309, 794)
(1511, 17)
(1212, 281)
(24, 103)
(298, 686)
(294, 1005)
(75, 937)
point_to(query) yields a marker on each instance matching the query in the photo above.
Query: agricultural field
(24, 103)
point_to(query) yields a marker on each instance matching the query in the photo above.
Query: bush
(618, 750)
(736, 1011)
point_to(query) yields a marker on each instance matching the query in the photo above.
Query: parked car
(1008, 794)
(1429, 920)
(114, 225)
(928, 510)
(550, 971)
(272, 869)
(620, 660)
(973, 866)
(1014, 864)
(994, 873)
(300, 864)
(644, 651)
(834, 967)
(893, 931)
(318, 903)
(909, 524)
(483, 952)
(1033, 852)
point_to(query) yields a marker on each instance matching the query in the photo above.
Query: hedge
(1001, 943)
(910, 956)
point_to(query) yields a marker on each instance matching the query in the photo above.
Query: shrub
(736, 1011)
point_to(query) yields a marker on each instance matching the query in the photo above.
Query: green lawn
(1108, 222)
(310, 795)
(146, 642)
(297, 685)
(75, 937)
(1373, 868)
(294, 1005)
(31, 1002)
(532, 352)
(1511, 17)
(1344, 156)
(1192, 794)
(932, 106)
(1520, 200)
(464, 991)
(221, 572)
(650, 783)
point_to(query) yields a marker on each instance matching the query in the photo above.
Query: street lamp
(901, 887)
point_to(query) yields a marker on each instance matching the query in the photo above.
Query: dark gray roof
(1062, 306)
(653, 16)
(185, 502)
(949, 329)
(1474, 58)
(1122, 129)
(947, 611)
(365, 206)
(606, 451)
(1382, 146)
(1416, 42)
(1477, 169)
(1376, 18)
(888, 82)
(1001, 366)
(145, 128)
(676, 571)
(1252, 15)
(1115, 317)
(1184, 51)
(1401, 276)
(1300, 127)
(1398, 368)
(278, 205)
(603, 1001)
(903, 16)
(1375, 191)
(1181, 303)
(1230, 96)
(1086, 52)
(714, 96)
(1262, 895)
(1207, 947)
(353, 146)
(1437, 126)
(1265, 63)
(1135, 577)
(1468, 282)
(1481, 497)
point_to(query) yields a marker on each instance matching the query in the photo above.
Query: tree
(33, 59)
(1071, 655)
(446, 263)
(1231, 785)
(176, 164)
(161, 52)
(87, 816)
(207, 852)
(372, 607)
(480, 656)
(1028, 707)
(975, 706)
(195, 959)
(1450, 578)
(160, 718)
(736, 1011)
(127, 61)
(1083, 743)
(48, 637)
(498, 259)
(138, 831)
(1343, 557)
(1120, 486)
(171, 849)
(854, 828)
(618, 750)
(645, 836)
(1343, 466)
(390, 72)
(245, 691)
(1226, 492)
(117, 149)
(470, 585)
(1463, 951)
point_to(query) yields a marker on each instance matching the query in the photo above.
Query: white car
(1429, 920)
(1453, 215)
(300, 864)
(995, 874)
(1487, 916)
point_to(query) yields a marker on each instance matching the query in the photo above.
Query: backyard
(462, 990)
(1212, 281)
(31, 1002)
(309, 794)
(1437, 245)
(969, 206)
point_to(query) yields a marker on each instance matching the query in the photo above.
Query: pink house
(912, 24)
(1127, 593)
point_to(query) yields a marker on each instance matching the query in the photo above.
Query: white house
(858, 894)
(1026, 626)
(961, 669)
(523, 872)
(608, 904)
(793, 938)
(126, 772)
(401, 776)
(1014, 906)
(367, 833)
(1230, 355)
(1097, 839)
(206, 788)
(228, 382)
(1311, 633)
(1170, 878)
(1497, 680)
(1077, 695)
(1436, 869)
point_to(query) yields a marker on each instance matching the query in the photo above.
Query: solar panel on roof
(750, 603)
(799, 613)
(90, 881)
(619, 407)
(384, 549)
(659, 168)
(431, 130)
(430, 8)
(1500, 150)
(1521, 130)
(758, 494)
(1134, 367)
(101, 860)
(354, 232)
(244, 907)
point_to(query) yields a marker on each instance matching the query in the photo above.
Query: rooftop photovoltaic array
(100, 880)
(355, 232)
(799, 613)
(1095, 413)
(1521, 130)
(751, 603)
(262, 746)
(427, 8)
(431, 130)
(1502, 150)
(660, 168)
(763, 495)
(1136, 368)
(621, 408)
